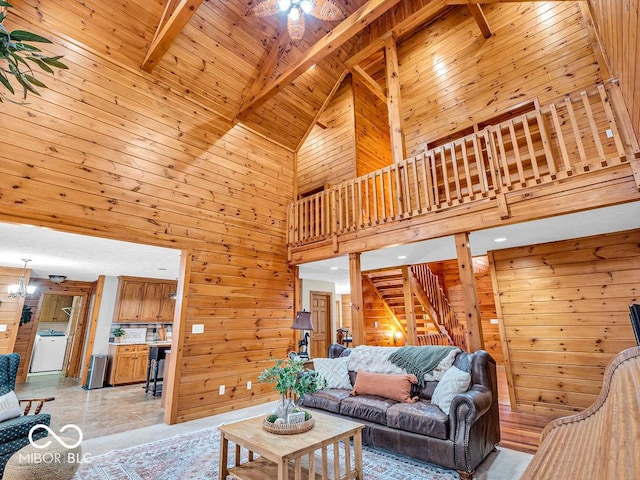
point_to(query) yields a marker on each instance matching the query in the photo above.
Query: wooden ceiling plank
(326, 102)
(370, 83)
(355, 23)
(171, 24)
(481, 2)
(481, 20)
(404, 26)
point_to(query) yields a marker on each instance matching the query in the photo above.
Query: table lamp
(303, 322)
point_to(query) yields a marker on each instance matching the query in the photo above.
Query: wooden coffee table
(281, 456)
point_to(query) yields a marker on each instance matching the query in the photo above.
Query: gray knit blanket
(420, 360)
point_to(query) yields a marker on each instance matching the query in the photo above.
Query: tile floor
(97, 412)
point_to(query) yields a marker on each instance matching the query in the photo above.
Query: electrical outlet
(609, 133)
(3, 328)
(221, 390)
(375, 324)
(494, 321)
(197, 328)
(249, 385)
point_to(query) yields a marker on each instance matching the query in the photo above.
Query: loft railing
(570, 137)
(445, 318)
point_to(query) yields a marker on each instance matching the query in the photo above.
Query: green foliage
(16, 57)
(119, 332)
(291, 379)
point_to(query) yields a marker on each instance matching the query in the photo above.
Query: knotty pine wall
(453, 78)
(109, 151)
(449, 276)
(10, 308)
(373, 143)
(565, 312)
(617, 24)
(378, 325)
(327, 156)
(345, 303)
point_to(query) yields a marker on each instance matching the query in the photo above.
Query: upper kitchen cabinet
(145, 300)
(52, 308)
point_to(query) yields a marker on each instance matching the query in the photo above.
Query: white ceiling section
(575, 225)
(82, 258)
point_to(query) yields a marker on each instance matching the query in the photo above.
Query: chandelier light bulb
(306, 6)
(294, 14)
(284, 5)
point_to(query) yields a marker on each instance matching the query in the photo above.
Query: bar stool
(156, 354)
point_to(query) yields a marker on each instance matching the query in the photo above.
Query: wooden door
(321, 318)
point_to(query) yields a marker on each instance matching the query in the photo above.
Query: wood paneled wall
(378, 324)
(10, 308)
(453, 78)
(373, 144)
(565, 313)
(345, 303)
(617, 24)
(110, 151)
(328, 154)
(449, 277)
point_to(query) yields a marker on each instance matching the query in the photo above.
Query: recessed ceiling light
(500, 239)
(401, 257)
(333, 268)
(161, 268)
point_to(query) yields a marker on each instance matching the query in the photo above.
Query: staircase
(436, 323)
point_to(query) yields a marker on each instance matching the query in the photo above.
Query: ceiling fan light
(294, 14)
(284, 5)
(306, 6)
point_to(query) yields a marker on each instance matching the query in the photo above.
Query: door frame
(329, 320)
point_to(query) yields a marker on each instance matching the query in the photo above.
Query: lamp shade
(303, 321)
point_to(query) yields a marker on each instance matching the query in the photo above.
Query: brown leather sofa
(460, 440)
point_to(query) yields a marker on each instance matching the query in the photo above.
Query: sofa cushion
(367, 407)
(395, 387)
(421, 417)
(426, 392)
(453, 382)
(328, 400)
(334, 371)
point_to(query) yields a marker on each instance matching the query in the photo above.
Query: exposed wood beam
(404, 22)
(370, 83)
(409, 307)
(394, 100)
(469, 292)
(268, 66)
(323, 107)
(480, 2)
(177, 14)
(481, 20)
(355, 23)
(357, 302)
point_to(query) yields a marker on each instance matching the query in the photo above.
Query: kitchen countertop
(159, 343)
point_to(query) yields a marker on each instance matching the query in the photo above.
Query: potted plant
(118, 333)
(292, 380)
(17, 54)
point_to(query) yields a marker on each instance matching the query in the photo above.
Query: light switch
(494, 321)
(197, 328)
(249, 385)
(3, 328)
(221, 390)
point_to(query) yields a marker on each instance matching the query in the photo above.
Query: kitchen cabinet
(51, 308)
(128, 363)
(145, 300)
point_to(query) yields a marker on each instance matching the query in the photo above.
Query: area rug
(194, 456)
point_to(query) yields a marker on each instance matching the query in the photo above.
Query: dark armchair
(14, 432)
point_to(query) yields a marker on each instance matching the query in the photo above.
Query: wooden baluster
(563, 145)
(467, 170)
(532, 150)
(456, 173)
(391, 213)
(367, 200)
(482, 172)
(492, 160)
(360, 209)
(545, 144)
(576, 131)
(434, 174)
(416, 184)
(407, 190)
(340, 208)
(503, 157)
(445, 176)
(303, 214)
(374, 187)
(334, 212)
(516, 153)
(594, 127)
(612, 120)
(354, 207)
(398, 190)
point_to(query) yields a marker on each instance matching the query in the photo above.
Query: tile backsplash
(141, 332)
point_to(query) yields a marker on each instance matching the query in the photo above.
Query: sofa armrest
(467, 408)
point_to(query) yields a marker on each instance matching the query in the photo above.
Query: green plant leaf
(53, 61)
(22, 79)
(5, 81)
(40, 62)
(25, 47)
(5, 4)
(22, 36)
(35, 81)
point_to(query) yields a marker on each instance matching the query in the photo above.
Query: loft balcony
(565, 144)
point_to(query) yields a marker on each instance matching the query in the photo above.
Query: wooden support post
(481, 20)
(469, 292)
(357, 310)
(409, 308)
(393, 100)
(297, 303)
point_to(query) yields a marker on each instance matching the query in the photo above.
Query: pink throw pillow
(395, 387)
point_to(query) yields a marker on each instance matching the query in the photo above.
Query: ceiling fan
(296, 10)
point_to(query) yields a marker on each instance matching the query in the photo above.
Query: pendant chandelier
(21, 289)
(296, 11)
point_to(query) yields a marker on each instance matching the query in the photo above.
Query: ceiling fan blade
(295, 28)
(264, 8)
(328, 10)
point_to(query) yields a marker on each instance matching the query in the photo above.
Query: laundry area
(52, 339)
